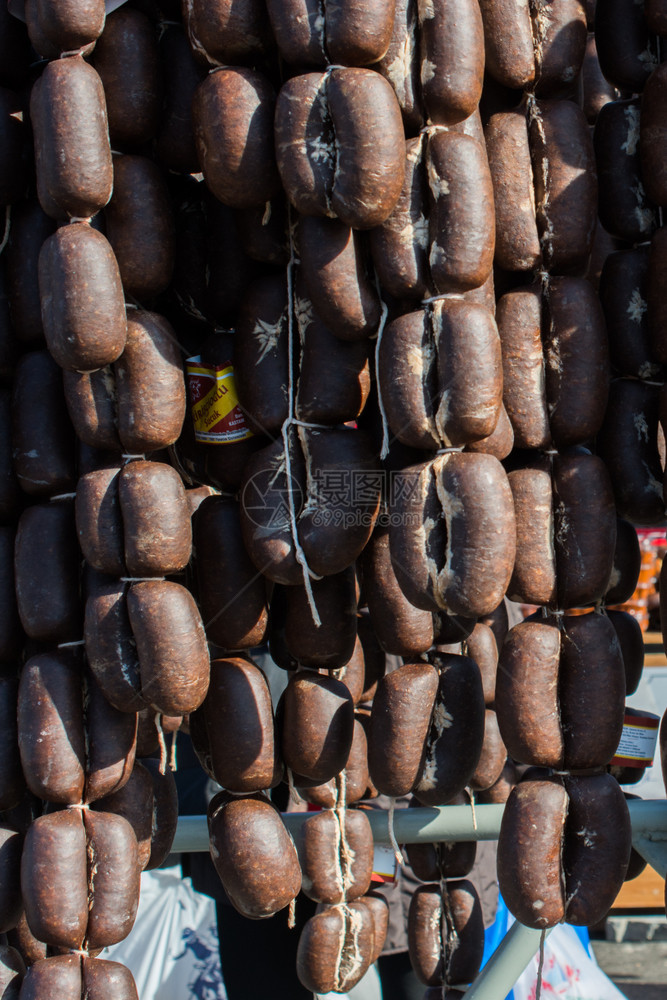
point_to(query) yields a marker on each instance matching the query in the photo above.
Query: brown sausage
(239, 722)
(517, 240)
(461, 218)
(51, 727)
(73, 156)
(156, 519)
(529, 852)
(400, 722)
(624, 285)
(452, 59)
(334, 270)
(83, 309)
(58, 976)
(30, 228)
(335, 948)
(233, 120)
(91, 404)
(317, 726)
(350, 34)
(534, 577)
(624, 208)
(508, 42)
(99, 521)
(140, 227)
(446, 933)
(224, 31)
(400, 627)
(47, 562)
(150, 385)
(41, 431)
(126, 58)
(69, 25)
(113, 878)
(334, 376)
(565, 183)
(54, 879)
(519, 317)
(344, 483)
(598, 839)
(336, 855)
(559, 34)
(254, 855)
(582, 496)
(111, 744)
(175, 146)
(101, 979)
(171, 646)
(232, 595)
(264, 512)
(455, 739)
(467, 493)
(110, 645)
(329, 645)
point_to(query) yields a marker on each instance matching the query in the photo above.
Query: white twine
(472, 808)
(345, 855)
(392, 836)
(540, 966)
(68, 53)
(163, 746)
(62, 496)
(69, 645)
(433, 129)
(140, 579)
(79, 219)
(289, 422)
(8, 226)
(384, 451)
(440, 298)
(128, 457)
(293, 794)
(450, 451)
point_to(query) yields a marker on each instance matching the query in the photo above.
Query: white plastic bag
(569, 972)
(172, 949)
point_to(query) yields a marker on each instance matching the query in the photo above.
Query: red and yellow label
(640, 735)
(216, 414)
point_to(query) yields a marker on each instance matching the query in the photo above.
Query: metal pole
(429, 825)
(506, 964)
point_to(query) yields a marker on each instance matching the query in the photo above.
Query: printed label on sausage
(216, 414)
(637, 746)
(384, 864)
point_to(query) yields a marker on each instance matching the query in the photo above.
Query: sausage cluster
(324, 331)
